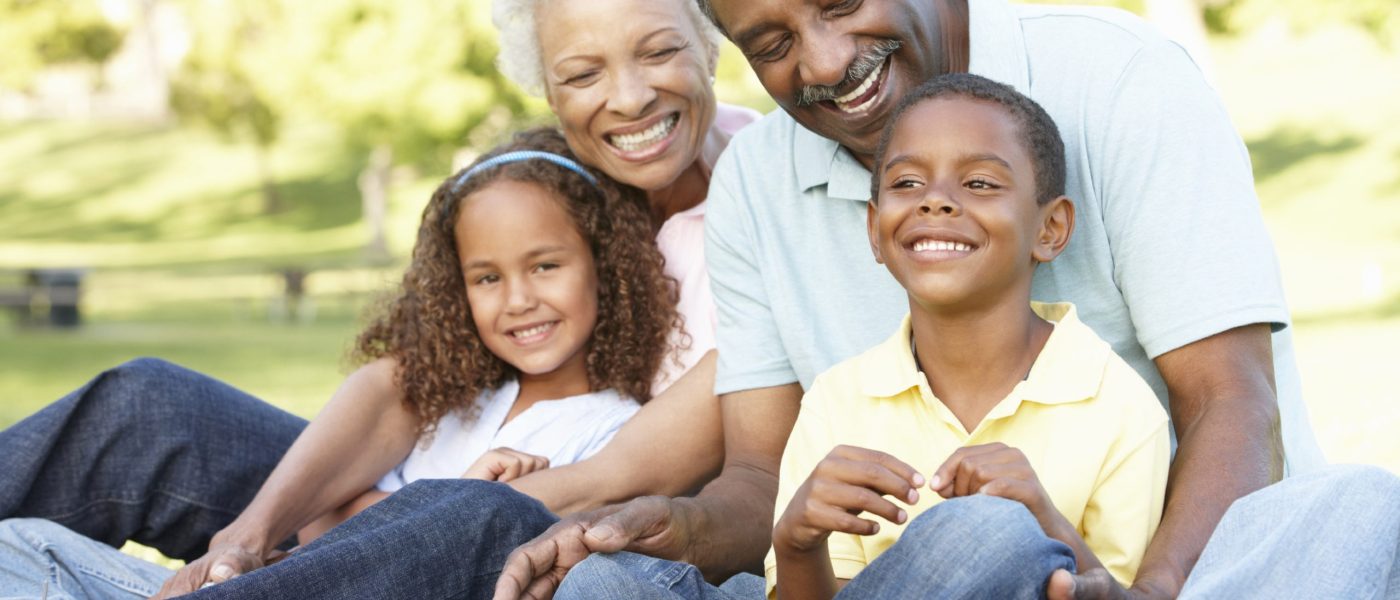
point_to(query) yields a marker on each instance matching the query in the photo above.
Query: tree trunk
(272, 203)
(374, 199)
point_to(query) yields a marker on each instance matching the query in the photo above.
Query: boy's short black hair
(1038, 131)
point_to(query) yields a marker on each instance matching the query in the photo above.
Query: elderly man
(1170, 263)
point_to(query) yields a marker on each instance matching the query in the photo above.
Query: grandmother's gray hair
(519, 59)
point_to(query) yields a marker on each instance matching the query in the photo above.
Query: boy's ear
(872, 228)
(1056, 227)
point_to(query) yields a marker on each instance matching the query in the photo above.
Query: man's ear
(872, 228)
(1056, 227)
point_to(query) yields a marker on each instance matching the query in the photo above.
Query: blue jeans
(435, 538)
(1333, 533)
(147, 451)
(976, 547)
(439, 538)
(42, 559)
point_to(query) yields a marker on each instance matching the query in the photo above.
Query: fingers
(641, 518)
(970, 468)
(852, 499)
(1060, 586)
(873, 470)
(535, 569)
(185, 581)
(504, 464)
(1094, 584)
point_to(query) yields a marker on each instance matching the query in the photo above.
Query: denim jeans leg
(435, 538)
(147, 451)
(1332, 533)
(42, 559)
(972, 547)
(629, 576)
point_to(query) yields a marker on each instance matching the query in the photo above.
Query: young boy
(989, 393)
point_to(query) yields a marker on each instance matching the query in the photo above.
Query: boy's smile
(956, 220)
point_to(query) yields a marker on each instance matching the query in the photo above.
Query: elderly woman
(170, 458)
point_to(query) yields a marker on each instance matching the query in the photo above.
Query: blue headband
(521, 155)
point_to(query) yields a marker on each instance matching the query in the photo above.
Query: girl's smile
(532, 286)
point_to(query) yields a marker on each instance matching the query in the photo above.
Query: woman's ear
(1056, 227)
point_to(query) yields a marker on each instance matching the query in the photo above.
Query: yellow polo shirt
(1091, 428)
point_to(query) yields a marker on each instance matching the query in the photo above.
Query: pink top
(682, 242)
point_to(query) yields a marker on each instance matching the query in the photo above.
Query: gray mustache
(860, 68)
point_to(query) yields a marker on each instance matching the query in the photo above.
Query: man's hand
(997, 470)
(504, 464)
(1098, 584)
(848, 482)
(654, 525)
(222, 563)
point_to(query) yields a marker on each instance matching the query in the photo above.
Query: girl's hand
(504, 464)
(994, 469)
(847, 482)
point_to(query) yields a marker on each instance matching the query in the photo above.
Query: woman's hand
(224, 561)
(847, 482)
(997, 470)
(504, 464)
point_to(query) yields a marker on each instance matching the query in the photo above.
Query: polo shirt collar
(1069, 369)
(998, 52)
(820, 161)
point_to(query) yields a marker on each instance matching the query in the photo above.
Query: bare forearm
(1226, 418)
(735, 511)
(360, 434)
(672, 446)
(806, 575)
(1197, 494)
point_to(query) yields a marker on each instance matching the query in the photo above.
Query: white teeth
(864, 87)
(940, 246)
(533, 331)
(636, 141)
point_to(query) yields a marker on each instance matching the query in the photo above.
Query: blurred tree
(41, 33)
(406, 82)
(216, 84)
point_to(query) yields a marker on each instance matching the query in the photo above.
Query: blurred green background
(193, 157)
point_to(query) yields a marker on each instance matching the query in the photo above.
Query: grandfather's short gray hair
(520, 59)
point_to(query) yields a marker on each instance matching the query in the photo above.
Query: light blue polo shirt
(1169, 244)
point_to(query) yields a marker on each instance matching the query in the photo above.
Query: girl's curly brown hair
(427, 328)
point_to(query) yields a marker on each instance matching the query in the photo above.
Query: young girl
(533, 319)
(532, 322)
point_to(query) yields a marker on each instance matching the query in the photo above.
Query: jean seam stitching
(138, 500)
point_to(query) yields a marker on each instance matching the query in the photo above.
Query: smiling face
(957, 222)
(837, 66)
(630, 83)
(531, 281)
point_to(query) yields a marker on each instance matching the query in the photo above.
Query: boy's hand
(994, 469)
(847, 482)
(504, 464)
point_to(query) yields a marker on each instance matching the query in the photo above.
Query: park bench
(45, 297)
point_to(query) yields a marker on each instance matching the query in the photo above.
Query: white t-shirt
(564, 431)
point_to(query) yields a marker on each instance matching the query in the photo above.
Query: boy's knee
(972, 515)
(1000, 527)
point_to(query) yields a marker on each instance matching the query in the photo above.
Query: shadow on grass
(1289, 145)
(326, 200)
(1380, 311)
